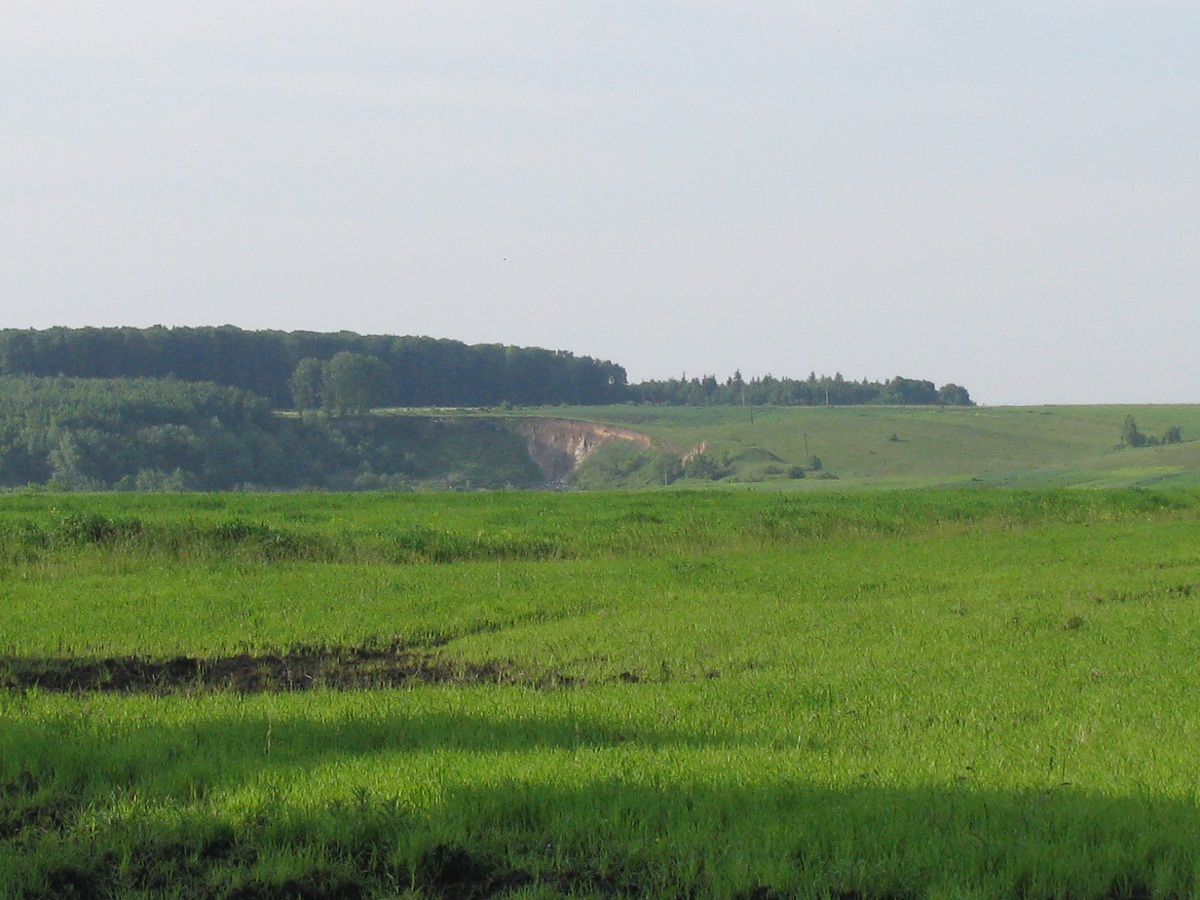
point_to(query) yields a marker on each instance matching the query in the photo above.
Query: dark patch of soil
(24, 783)
(20, 814)
(452, 873)
(71, 881)
(760, 892)
(36, 818)
(1135, 891)
(294, 889)
(304, 668)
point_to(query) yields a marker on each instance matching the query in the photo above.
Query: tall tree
(1130, 435)
(307, 382)
(353, 383)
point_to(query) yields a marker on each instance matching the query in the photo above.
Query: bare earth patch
(300, 669)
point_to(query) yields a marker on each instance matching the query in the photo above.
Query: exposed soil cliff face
(558, 446)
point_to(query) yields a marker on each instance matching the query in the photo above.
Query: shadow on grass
(87, 810)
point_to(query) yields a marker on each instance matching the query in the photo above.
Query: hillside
(151, 434)
(910, 446)
(163, 435)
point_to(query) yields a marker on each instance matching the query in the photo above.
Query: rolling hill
(879, 447)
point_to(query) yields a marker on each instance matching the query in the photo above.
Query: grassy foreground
(906, 694)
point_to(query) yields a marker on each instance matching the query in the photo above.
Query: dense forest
(164, 434)
(408, 371)
(347, 373)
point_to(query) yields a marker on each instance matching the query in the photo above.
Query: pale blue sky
(1002, 195)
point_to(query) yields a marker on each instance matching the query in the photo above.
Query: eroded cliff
(558, 446)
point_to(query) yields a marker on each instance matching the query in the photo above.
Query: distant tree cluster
(813, 391)
(409, 371)
(1131, 436)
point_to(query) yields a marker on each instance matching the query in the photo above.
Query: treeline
(415, 371)
(345, 372)
(165, 434)
(813, 391)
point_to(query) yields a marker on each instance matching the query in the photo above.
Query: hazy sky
(1004, 195)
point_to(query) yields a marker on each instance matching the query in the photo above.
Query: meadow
(928, 693)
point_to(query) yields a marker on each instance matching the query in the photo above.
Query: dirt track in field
(306, 668)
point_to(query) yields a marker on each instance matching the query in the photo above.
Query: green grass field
(954, 693)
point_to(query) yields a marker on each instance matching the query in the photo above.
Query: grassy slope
(1018, 446)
